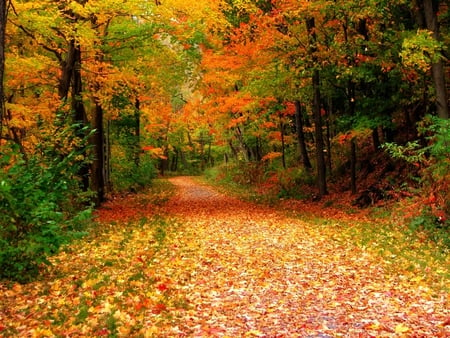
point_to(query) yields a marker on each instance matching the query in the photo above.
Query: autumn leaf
(158, 308)
(401, 328)
(162, 287)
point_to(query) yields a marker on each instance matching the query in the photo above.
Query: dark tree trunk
(107, 157)
(283, 146)
(320, 158)
(3, 16)
(353, 165)
(429, 19)
(163, 166)
(233, 150)
(137, 133)
(191, 144)
(174, 162)
(183, 159)
(242, 146)
(352, 111)
(208, 156)
(98, 167)
(258, 149)
(376, 139)
(328, 141)
(202, 153)
(98, 163)
(79, 112)
(15, 134)
(301, 135)
(67, 71)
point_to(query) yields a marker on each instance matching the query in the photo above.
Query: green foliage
(261, 183)
(437, 131)
(421, 50)
(128, 176)
(436, 155)
(41, 206)
(231, 176)
(412, 152)
(131, 169)
(435, 160)
(291, 182)
(434, 227)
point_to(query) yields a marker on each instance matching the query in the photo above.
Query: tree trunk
(79, 112)
(283, 146)
(258, 149)
(3, 16)
(437, 69)
(328, 142)
(233, 150)
(353, 165)
(98, 163)
(242, 145)
(320, 158)
(137, 133)
(301, 136)
(376, 139)
(174, 162)
(107, 157)
(184, 162)
(208, 156)
(67, 71)
(98, 176)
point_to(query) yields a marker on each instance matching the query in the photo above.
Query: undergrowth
(260, 183)
(42, 204)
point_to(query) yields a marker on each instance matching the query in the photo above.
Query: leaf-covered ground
(208, 265)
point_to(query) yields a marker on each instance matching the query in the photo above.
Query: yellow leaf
(375, 325)
(400, 328)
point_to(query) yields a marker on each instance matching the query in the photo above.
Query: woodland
(334, 111)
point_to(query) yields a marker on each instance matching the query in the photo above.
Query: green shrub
(434, 161)
(41, 207)
(127, 176)
(292, 181)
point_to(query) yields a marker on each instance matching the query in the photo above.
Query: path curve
(251, 271)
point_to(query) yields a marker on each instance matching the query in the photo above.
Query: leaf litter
(216, 266)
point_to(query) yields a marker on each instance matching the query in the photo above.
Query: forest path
(204, 264)
(253, 271)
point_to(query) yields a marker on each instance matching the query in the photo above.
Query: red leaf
(160, 307)
(162, 287)
(103, 332)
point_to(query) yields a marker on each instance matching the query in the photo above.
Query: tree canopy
(105, 94)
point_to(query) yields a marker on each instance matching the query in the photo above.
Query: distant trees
(355, 71)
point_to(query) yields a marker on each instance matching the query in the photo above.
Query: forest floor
(205, 264)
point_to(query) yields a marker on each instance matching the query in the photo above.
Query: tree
(3, 16)
(429, 9)
(317, 109)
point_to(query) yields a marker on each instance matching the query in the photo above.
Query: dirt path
(208, 265)
(255, 272)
